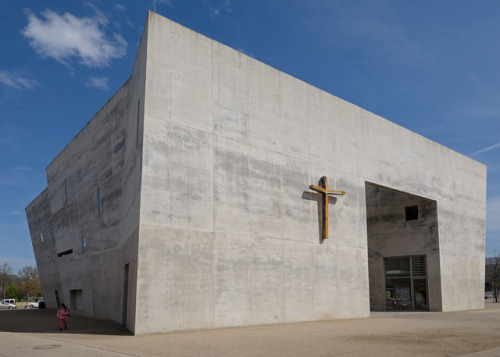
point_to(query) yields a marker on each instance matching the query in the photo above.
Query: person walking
(62, 315)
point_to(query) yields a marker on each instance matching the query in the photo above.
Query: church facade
(212, 190)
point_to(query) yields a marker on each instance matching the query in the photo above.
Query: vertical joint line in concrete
(214, 268)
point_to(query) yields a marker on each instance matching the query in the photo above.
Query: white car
(33, 305)
(6, 305)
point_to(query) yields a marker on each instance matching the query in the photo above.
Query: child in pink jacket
(62, 315)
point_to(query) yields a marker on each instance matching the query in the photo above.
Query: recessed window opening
(41, 236)
(84, 242)
(56, 292)
(411, 213)
(66, 252)
(137, 128)
(99, 203)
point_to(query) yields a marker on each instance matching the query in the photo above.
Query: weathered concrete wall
(204, 159)
(230, 231)
(106, 156)
(94, 159)
(405, 161)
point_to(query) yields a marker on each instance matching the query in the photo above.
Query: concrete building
(185, 202)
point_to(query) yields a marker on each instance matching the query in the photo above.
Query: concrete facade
(191, 189)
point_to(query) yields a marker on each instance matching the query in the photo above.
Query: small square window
(411, 213)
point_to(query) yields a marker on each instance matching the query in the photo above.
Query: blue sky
(430, 66)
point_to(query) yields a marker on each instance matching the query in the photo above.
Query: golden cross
(323, 189)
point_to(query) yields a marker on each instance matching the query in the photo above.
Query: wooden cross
(325, 192)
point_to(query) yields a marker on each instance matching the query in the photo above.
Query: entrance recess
(403, 250)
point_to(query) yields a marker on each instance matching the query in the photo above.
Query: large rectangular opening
(403, 250)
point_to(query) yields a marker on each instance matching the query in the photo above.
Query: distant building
(185, 202)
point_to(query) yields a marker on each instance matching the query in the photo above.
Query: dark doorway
(125, 295)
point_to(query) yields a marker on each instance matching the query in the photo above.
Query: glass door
(420, 294)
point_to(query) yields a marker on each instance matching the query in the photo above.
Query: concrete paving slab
(20, 345)
(467, 333)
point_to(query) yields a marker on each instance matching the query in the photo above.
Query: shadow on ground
(45, 321)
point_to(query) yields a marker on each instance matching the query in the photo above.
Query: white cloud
(225, 6)
(15, 81)
(120, 7)
(497, 145)
(66, 36)
(99, 82)
(100, 18)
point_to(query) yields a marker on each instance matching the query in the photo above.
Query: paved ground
(471, 333)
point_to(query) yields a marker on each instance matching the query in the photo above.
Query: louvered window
(418, 267)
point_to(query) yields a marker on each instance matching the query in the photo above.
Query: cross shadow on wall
(318, 197)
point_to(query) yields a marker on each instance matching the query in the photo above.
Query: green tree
(29, 280)
(5, 276)
(12, 292)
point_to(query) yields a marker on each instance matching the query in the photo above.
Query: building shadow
(46, 321)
